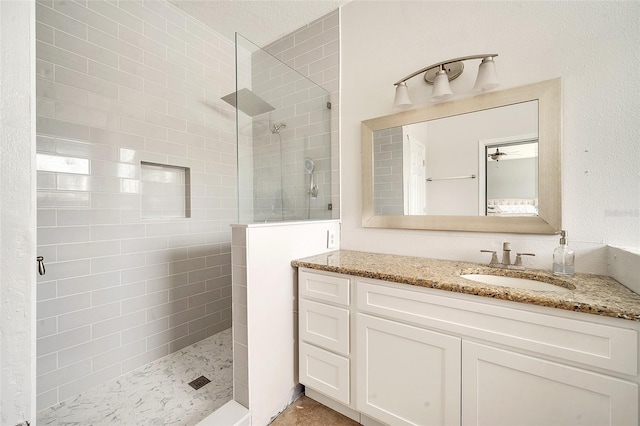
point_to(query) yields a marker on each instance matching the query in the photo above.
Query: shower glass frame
(272, 144)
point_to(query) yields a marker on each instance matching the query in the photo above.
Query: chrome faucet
(506, 258)
(506, 255)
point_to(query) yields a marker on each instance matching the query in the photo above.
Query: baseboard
(368, 421)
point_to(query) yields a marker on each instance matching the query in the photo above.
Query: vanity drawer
(325, 326)
(325, 372)
(324, 287)
(589, 343)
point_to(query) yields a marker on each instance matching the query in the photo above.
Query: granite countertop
(592, 294)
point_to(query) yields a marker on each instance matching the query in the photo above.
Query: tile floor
(307, 412)
(157, 393)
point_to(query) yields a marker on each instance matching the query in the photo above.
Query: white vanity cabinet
(323, 333)
(419, 356)
(407, 375)
(488, 363)
(507, 388)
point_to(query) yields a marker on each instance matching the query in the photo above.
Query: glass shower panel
(284, 140)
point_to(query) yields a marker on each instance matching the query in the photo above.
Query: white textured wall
(587, 44)
(17, 213)
(624, 266)
(119, 84)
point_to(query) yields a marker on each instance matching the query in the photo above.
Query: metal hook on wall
(40, 261)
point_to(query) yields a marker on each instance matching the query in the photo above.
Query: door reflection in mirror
(414, 157)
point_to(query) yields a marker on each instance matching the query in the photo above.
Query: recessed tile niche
(165, 191)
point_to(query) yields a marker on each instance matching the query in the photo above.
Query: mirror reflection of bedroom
(511, 175)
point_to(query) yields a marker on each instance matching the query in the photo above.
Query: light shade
(402, 95)
(441, 89)
(440, 74)
(487, 78)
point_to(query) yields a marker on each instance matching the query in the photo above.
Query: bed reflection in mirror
(483, 163)
(511, 172)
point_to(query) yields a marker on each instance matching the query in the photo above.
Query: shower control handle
(40, 261)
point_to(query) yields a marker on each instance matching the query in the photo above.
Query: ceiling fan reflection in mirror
(496, 155)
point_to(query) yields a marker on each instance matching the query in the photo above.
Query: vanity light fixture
(439, 75)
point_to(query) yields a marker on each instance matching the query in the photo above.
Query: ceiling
(261, 21)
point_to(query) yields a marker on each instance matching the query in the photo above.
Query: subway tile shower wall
(120, 83)
(314, 51)
(388, 175)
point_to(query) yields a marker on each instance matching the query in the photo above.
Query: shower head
(275, 128)
(308, 165)
(248, 102)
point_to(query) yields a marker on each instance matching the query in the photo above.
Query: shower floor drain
(199, 382)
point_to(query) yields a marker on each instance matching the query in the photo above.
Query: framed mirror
(490, 163)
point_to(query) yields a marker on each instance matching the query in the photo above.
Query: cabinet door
(407, 375)
(325, 372)
(506, 388)
(324, 287)
(325, 326)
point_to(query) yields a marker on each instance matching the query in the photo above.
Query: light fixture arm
(448, 61)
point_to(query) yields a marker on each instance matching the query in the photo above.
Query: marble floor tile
(157, 393)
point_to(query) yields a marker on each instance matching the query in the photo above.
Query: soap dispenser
(563, 257)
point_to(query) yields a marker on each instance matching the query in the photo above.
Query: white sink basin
(512, 282)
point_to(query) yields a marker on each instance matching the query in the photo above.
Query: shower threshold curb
(231, 413)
